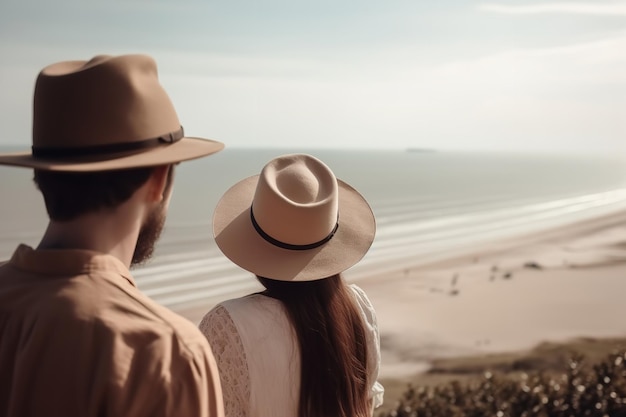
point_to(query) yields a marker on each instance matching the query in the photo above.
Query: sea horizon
(426, 204)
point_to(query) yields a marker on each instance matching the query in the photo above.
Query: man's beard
(148, 235)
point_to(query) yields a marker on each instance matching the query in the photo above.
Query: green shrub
(595, 391)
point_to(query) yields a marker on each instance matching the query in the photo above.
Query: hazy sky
(445, 74)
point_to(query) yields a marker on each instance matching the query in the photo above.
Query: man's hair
(69, 195)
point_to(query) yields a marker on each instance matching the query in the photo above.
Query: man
(77, 338)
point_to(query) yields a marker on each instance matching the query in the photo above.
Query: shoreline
(500, 302)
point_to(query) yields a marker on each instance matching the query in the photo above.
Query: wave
(187, 279)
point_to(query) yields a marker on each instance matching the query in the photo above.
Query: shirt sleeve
(166, 377)
(221, 332)
(372, 336)
(194, 380)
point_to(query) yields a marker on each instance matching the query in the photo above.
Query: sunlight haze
(447, 75)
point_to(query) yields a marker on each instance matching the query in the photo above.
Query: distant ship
(421, 150)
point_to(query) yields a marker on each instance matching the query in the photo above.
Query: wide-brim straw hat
(294, 222)
(107, 113)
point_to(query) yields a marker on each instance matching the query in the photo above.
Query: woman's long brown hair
(333, 350)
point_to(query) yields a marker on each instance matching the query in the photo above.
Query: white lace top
(258, 356)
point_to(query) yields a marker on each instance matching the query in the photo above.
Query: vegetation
(579, 388)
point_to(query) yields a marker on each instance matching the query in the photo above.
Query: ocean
(428, 205)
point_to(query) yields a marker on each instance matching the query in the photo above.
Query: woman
(308, 345)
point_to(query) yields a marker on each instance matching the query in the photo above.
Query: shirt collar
(67, 262)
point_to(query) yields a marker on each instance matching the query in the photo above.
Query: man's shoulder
(142, 315)
(103, 301)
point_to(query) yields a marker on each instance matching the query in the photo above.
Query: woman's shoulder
(253, 308)
(252, 301)
(364, 303)
(361, 296)
(234, 313)
(222, 311)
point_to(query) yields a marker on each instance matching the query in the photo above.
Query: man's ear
(158, 183)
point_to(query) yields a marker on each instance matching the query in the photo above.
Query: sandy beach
(510, 296)
(499, 300)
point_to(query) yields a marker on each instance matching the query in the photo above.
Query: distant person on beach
(77, 338)
(309, 344)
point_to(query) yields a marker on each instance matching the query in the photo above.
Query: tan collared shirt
(77, 338)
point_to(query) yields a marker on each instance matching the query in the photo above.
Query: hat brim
(237, 238)
(185, 149)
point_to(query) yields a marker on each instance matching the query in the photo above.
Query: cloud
(595, 8)
(569, 97)
(591, 62)
(567, 93)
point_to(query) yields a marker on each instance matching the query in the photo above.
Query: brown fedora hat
(107, 113)
(294, 222)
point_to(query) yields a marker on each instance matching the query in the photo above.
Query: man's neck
(100, 232)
